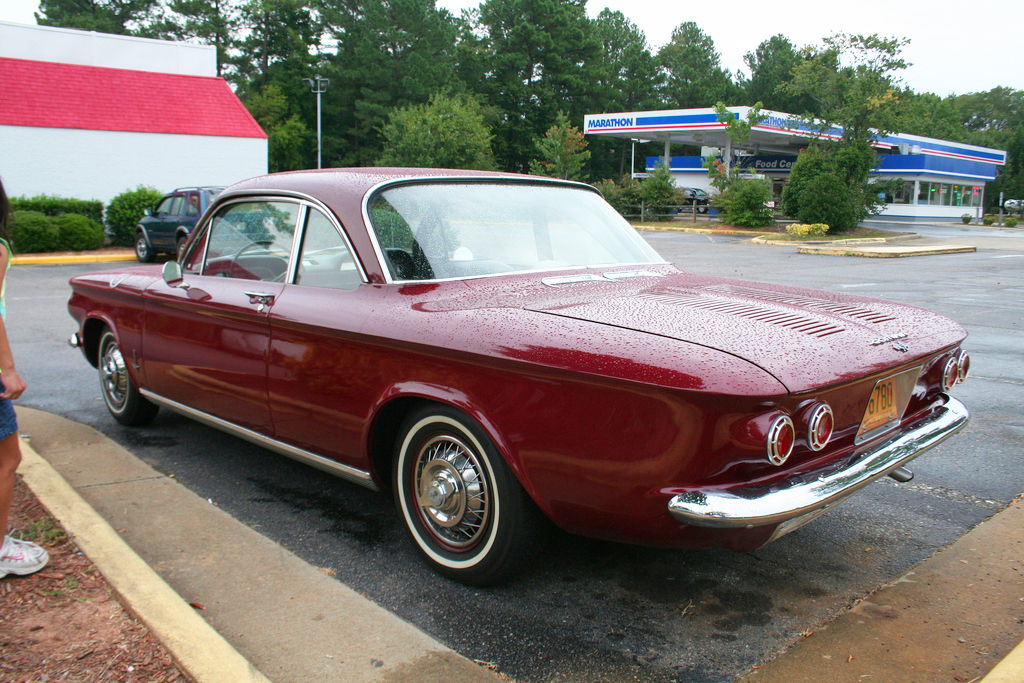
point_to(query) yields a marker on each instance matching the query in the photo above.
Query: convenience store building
(942, 180)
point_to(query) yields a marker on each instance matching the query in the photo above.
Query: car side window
(192, 209)
(325, 259)
(178, 206)
(164, 207)
(251, 240)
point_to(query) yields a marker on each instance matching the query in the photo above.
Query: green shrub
(658, 191)
(78, 233)
(1010, 222)
(55, 206)
(966, 219)
(807, 230)
(33, 232)
(126, 210)
(744, 203)
(625, 197)
(988, 220)
(827, 199)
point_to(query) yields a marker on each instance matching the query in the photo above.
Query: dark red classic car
(496, 348)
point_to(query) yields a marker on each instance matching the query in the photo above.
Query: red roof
(52, 95)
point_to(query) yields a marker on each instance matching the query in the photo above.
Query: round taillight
(963, 366)
(950, 374)
(781, 438)
(820, 426)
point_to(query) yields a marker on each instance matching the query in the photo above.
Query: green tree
(771, 66)
(629, 80)
(542, 58)
(447, 132)
(288, 136)
(211, 22)
(278, 40)
(854, 81)
(390, 54)
(831, 185)
(563, 151)
(933, 116)
(122, 17)
(694, 76)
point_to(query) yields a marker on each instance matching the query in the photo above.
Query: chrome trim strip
(815, 492)
(321, 463)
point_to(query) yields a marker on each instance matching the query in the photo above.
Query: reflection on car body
(495, 349)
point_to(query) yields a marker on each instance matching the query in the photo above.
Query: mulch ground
(64, 623)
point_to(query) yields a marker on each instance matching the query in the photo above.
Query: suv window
(193, 204)
(178, 206)
(164, 207)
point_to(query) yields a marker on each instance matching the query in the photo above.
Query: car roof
(342, 191)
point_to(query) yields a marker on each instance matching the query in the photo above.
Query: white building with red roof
(90, 115)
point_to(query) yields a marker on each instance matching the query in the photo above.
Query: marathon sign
(776, 122)
(610, 122)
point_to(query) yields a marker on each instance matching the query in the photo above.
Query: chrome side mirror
(173, 275)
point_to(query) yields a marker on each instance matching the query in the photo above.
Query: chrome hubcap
(452, 492)
(114, 376)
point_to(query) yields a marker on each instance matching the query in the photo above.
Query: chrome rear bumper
(796, 501)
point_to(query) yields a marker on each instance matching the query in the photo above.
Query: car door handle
(264, 299)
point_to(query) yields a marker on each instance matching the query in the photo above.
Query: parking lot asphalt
(270, 615)
(265, 611)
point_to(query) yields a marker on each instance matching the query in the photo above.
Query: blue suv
(166, 228)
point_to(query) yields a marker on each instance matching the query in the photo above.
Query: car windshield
(443, 230)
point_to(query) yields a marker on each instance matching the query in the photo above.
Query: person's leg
(10, 458)
(16, 556)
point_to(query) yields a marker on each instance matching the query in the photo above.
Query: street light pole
(319, 86)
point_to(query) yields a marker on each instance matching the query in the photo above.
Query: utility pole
(319, 86)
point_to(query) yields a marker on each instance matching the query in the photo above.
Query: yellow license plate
(883, 406)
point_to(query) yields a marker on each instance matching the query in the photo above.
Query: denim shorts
(8, 420)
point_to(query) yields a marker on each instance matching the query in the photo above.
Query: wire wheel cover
(452, 492)
(114, 376)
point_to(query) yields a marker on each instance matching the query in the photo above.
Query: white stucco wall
(90, 164)
(69, 46)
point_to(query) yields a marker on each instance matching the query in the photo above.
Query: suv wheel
(143, 251)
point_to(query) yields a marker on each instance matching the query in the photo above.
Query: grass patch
(45, 531)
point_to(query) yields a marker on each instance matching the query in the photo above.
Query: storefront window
(924, 193)
(902, 195)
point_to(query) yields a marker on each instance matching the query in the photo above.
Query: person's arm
(13, 383)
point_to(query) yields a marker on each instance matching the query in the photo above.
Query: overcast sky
(956, 47)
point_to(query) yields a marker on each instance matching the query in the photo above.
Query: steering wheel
(268, 273)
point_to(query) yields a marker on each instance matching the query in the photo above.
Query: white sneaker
(21, 557)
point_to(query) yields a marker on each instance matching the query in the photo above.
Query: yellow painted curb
(702, 231)
(819, 243)
(1010, 670)
(886, 252)
(78, 258)
(200, 651)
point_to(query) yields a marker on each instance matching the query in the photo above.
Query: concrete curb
(1010, 670)
(701, 231)
(816, 243)
(885, 251)
(198, 649)
(44, 260)
(291, 620)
